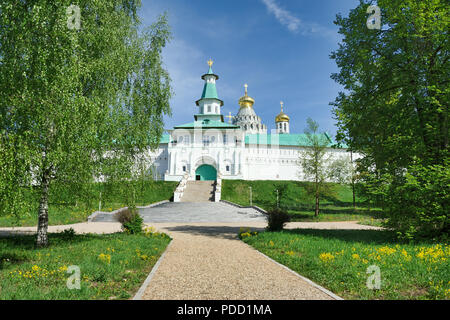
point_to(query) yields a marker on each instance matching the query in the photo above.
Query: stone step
(199, 191)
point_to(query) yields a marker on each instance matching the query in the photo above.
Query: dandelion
(326, 257)
(105, 258)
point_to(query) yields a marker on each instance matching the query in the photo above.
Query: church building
(238, 148)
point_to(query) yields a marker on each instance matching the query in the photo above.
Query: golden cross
(282, 103)
(246, 87)
(229, 117)
(210, 63)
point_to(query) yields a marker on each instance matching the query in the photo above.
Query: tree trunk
(353, 181)
(354, 197)
(42, 236)
(316, 214)
(317, 206)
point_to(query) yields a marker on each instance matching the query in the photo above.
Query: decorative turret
(246, 101)
(246, 117)
(282, 121)
(210, 104)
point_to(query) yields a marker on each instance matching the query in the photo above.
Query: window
(180, 139)
(225, 139)
(184, 168)
(205, 141)
(209, 108)
(228, 168)
(186, 139)
(217, 109)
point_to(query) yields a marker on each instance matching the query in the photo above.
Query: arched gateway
(206, 172)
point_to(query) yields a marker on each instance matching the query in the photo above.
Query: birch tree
(77, 82)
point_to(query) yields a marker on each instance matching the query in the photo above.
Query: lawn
(64, 209)
(111, 266)
(300, 206)
(338, 260)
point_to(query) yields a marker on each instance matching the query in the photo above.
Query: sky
(280, 48)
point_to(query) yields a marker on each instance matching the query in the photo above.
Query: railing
(178, 194)
(218, 188)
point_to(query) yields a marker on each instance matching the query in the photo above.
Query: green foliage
(276, 219)
(132, 222)
(314, 165)
(394, 110)
(419, 203)
(77, 104)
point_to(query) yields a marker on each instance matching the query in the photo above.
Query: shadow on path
(221, 232)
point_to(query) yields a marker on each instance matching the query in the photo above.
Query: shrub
(68, 234)
(276, 219)
(418, 203)
(132, 222)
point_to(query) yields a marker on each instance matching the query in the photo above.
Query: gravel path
(208, 261)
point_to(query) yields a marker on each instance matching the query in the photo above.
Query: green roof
(165, 138)
(285, 139)
(207, 124)
(209, 91)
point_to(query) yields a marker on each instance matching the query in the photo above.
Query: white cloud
(285, 17)
(296, 25)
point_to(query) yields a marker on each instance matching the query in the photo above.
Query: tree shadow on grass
(26, 243)
(375, 237)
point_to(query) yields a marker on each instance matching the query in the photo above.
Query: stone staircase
(199, 191)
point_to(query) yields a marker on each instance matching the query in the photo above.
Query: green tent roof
(210, 91)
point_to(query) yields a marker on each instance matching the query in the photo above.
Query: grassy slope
(62, 209)
(26, 273)
(338, 260)
(294, 198)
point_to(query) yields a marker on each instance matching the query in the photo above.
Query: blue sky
(280, 48)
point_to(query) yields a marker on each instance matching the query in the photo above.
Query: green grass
(64, 210)
(27, 273)
(338, 260)
(300, 206)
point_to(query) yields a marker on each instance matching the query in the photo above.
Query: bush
(132, 222)
(68, 234)
(418, 203)
(276, 219)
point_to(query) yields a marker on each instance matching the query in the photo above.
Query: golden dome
(246, 101)
(282, 117)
